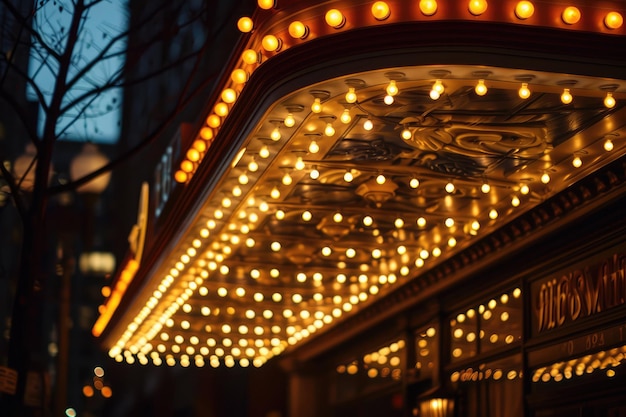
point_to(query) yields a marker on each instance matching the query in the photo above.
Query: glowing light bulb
(481, 88)
(406, 134)
(545, 178)
(266, 4)
(316, 107)
(275, 135)
(436, 90)
(314, 174)
(450, 188)
(493, 214)
(345, 116)
(392, 88)
(368, 125)
(299, 164)
(515, 202)
(577, 162)
(608, 145)
(298, 30)
(477, 7)
(271, 43)
(524, 91)
(428, 7)
(287, 180)
(524, 189)
(229, 95)
(245, 24)
(571, 15)
(314, 147)
(275, 193)
(335, 19)
(264, 152)
(609, 101)
(329, 130)
(351, 95)
(613, 20)
(289, 120)
(485, 188)
(380, 10)
(380, 179)
(414, 183)
(348, 177)
(253, 166)
(337, 217)
(524, 10)
(388, 100)
(566, 97)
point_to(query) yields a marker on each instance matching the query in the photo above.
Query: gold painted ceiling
(330, 195)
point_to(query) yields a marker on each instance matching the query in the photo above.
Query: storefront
(414, 207)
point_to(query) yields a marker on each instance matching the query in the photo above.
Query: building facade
(413, 208)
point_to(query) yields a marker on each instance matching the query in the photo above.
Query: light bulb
(392, 88)
(428, 7)
(477, 7)
(351, 95)
(368, 125)
(388, 100)
(299, 164)
(450, 188)
(275, 135)
(515, 202)
(264, 152)
(524, 91)
(524, 189)
(316, 107)
(253, 166)
(245, 24)
(334, 18)
(485, 188)
(239, 76)
(481, 88)
(250, 56)
(229, 95)
(437, 90)
(613, 20)
(380, 179)
(545, 178)
(314, 147)
(289, 120)
(298, 30)
(287, 180)
(524, 10)
(406, 134)
(577, 162)
(566, 97)
(345, 116)
(609, 101)
(348, 177)
(275, 193)
(329, 130)
(314, 174)
(571, 15)
(414, 183)
(608, 145)
(380, 10)
(271, 43)
(266, 4)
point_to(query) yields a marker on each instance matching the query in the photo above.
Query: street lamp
(87, 161)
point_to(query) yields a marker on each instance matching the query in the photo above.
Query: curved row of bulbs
(298, 30)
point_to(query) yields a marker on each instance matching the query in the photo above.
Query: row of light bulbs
(605, 360)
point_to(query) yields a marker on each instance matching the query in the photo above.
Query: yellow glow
(477, 7)
(524, 91)
(334, 18)
(214, 121)
(609, 101)
(239, 76)
(368, 125)
(250, 56)
(229, 95)
(571, 15)
(245, 24)
(271, 43)
(613, 20)
(577, 162)
(428, 7)
(524, 9)
(298, 30)
(266, 4)
(481, 88)
(221, 109)
(566, 97)
(380, 10)
(351, 95)
(316, 107)
(608, 145)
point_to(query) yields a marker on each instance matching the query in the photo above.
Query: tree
(84, 63)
